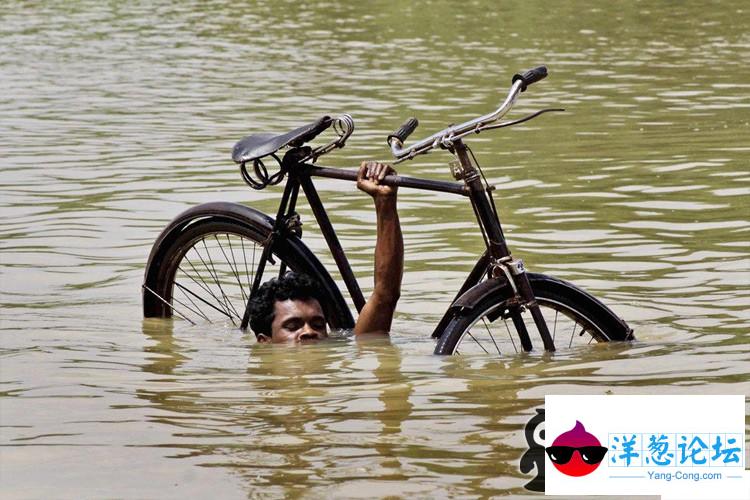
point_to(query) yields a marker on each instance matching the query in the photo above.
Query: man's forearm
(389, 252)
(377, 315)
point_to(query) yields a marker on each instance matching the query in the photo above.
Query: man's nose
(308, 334)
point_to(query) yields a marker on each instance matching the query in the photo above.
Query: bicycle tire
(202, 266)
(477, 327)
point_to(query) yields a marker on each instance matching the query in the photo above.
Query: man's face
(297, 321)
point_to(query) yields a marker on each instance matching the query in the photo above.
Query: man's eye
(293, 325)
(319, 325)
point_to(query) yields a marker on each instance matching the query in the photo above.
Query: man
(288, 309)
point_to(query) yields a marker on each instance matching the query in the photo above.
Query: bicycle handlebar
(446, 136)
(392, 180)
(531, 76)
(405, 131)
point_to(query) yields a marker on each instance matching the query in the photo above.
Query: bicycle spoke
(204, 286)
(169, 305)
(233, 268)
(572, 335)
(252, 266)
(174, 299)
(554, 328)
(187, 290)
(490, 334)
(244, 259)
(478, 343)
(510, 335)
(200, 311)
(217, 279)
(212, 273)
(245, 293)
(215, 276)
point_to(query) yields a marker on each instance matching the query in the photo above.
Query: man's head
(288, 309)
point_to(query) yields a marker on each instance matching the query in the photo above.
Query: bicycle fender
(500, 286)
(473, 294)
(467, 300)
(612, 322)
(234, 211)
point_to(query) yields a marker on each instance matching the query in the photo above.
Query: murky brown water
(114, 118)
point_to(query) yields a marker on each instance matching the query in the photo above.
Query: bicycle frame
(496, 262)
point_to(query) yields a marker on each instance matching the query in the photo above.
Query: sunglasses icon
(589, 454)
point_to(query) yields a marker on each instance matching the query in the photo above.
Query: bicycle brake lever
(520, 120)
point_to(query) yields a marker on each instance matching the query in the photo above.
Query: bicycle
(201, 264)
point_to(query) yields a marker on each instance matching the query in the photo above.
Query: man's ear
(263, 338)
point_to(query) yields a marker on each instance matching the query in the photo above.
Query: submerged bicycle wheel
(203, 270)
(574, 318)
(210, 273)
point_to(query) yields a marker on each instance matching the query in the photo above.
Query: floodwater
(115, 117)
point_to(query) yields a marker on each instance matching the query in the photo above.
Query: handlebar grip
(530, 76)
(405, 131)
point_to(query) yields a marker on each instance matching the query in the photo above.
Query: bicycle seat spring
(343, 126)
(264, 179)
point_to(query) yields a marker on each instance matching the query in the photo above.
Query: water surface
(115, 118)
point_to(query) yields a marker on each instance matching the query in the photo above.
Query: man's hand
(369, 176)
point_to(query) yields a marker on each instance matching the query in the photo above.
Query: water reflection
(323, 418)
(298, 417)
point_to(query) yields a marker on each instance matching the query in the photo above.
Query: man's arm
(377, 314)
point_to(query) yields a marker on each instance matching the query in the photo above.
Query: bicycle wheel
(574, 318)
(203, 265)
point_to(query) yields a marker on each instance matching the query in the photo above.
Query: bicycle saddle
(257, 146)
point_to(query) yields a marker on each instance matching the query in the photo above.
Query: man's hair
(291, 286)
